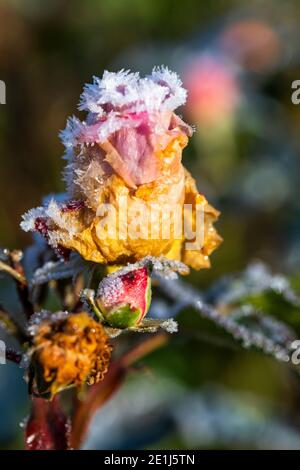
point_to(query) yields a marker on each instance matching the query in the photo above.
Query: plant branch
(13, 272)
(15, 269)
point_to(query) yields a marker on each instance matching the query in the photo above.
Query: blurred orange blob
(253, 43)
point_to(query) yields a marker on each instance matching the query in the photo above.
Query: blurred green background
(238, 62)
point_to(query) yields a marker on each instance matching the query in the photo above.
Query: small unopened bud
(124, 297)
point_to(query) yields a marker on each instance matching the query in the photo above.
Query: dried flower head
(68, 350)
(127, 152)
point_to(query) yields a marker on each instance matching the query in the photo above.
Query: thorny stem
(100, 393)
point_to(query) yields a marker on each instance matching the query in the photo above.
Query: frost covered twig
(245, 335)
(256, 279)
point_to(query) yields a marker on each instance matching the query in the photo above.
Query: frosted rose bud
(124, 297)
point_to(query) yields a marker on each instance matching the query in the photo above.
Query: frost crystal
(29, 218)
(119, 100)
(170, 325)
(111, 287)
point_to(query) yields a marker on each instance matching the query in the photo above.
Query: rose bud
(124, 297)
(68, 349)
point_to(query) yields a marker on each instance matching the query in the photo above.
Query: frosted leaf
(148, 325)
(61, 270)
(256, 279)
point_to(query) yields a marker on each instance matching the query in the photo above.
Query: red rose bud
(124, 297)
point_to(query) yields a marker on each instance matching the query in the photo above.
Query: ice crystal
(29, 218)
(161, 89)
(112, 287)
(170, 325)
(71, 132)
(165, 77)
(164, 267)
(118, 100)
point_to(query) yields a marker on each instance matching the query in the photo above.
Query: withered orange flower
(124, 162)
(68, 350)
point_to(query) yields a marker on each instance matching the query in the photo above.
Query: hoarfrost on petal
(28, 222)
